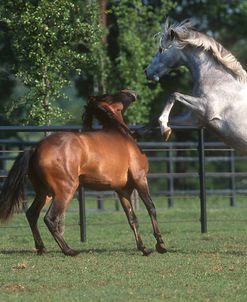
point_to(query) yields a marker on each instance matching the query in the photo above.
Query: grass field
(209, 267)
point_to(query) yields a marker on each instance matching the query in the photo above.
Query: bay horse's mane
(184, 34)
(101, 108)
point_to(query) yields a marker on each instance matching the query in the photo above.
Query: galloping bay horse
(104, 159)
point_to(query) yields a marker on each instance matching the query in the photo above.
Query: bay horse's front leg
(133, 222)
(143, 190)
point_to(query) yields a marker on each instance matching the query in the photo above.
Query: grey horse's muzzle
(155, 77)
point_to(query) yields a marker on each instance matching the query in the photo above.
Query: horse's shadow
(209, 252)
(125, 251)
(58, 252)
(16, 251)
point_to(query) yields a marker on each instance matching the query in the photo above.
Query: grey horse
(219, 96)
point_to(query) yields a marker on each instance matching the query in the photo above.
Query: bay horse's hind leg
(54, 220)
(133, 222)
(143, 190)
(32, 215)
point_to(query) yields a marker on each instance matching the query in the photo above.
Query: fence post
(170, 178)
(135, 200)
(202, 181)
(2, 162)
(232, 179)
(100, 202)
(82, 213)
(117, 205)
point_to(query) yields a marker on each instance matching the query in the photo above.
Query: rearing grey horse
(219, 95)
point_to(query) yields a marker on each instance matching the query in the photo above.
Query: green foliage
(50, 40)
(136, 23)
(47, 43)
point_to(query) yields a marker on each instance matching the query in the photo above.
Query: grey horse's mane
(184, 34)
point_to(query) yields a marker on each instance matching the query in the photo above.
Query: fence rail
(168, 154)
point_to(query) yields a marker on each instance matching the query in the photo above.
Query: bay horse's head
(109, 109)
(117, 103)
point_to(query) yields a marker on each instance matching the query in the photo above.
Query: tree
(7, 82)
(132, 26)
(46, 43)
(51, 40)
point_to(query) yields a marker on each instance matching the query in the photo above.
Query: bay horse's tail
(12, 193)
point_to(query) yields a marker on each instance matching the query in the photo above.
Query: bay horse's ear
(91, 99)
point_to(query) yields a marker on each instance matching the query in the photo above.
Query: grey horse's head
(169, 55)
(163, 62)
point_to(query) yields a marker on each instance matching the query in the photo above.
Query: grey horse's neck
(205, 70)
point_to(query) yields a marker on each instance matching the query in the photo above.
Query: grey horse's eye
(161, 50)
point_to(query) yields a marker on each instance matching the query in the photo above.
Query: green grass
(209, 267)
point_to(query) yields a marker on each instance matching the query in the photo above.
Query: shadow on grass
(126, 251)
(208, 252)
(81, 252)
(16, 251)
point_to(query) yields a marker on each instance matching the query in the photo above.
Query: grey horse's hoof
(167, 133)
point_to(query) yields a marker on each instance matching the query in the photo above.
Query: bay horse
(103, 159)
(219, 95)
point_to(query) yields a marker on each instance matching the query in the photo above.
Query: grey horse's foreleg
(195, 106)
(164, 118)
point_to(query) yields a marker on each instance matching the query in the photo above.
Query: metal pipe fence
(164, 157)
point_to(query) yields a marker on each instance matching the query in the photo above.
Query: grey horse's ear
(166, 24)
(185, 22)
(173, 34)
(189, 23)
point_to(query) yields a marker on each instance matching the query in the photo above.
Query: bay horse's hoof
(167, 133)
(146, 252)
(160, 248)
(71, 252)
